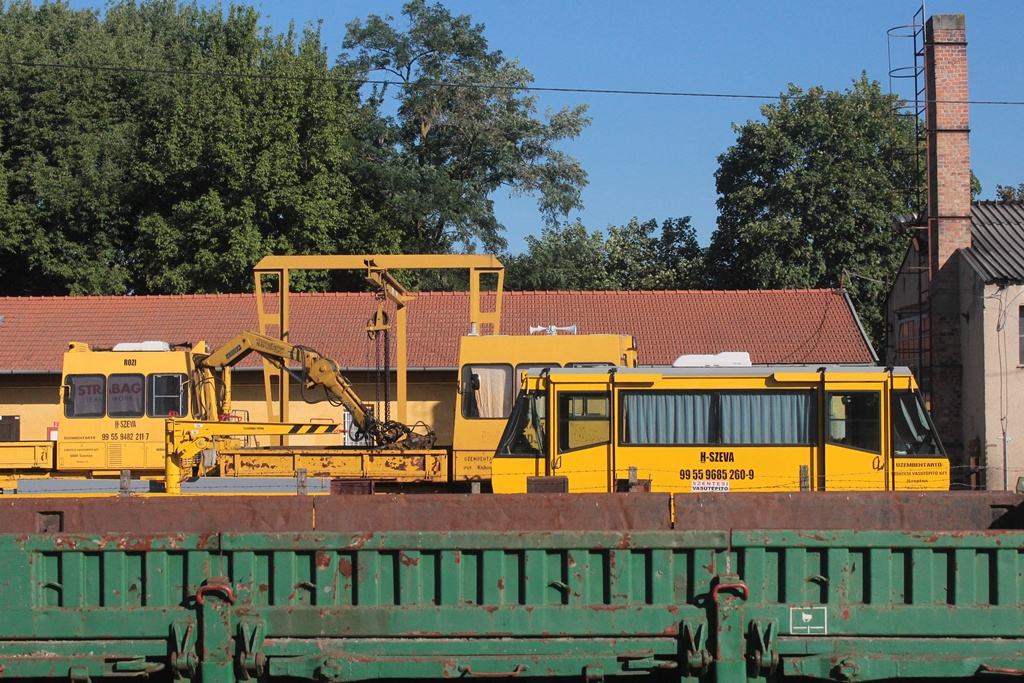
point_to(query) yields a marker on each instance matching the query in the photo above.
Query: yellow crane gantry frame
(377, 268)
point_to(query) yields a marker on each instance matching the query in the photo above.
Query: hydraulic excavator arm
(314, 370)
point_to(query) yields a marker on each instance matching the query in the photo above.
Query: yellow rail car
(114, 405)
(765, 428)
(165, 414)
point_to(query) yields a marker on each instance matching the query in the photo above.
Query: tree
(255, 162)
(464, 127)
(808, 196)
(1009, 193)
(563, 258)
(632, 257)
(66, 148)
(637, 259)
(166, 148)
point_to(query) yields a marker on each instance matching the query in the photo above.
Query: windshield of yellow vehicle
(526, 433)
(913, 431)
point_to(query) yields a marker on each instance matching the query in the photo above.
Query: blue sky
(655, 157)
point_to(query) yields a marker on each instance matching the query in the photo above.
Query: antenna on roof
(552, 329)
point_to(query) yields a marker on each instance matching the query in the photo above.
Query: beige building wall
(993, 381)
(993, 377)
(977, 319)
(35, 399)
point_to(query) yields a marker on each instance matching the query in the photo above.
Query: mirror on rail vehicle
(721, 429)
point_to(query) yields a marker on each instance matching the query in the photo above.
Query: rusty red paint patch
(407, 560)
(345, 567)
(323, 559)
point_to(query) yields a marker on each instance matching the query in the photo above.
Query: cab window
(487, 390)
(913, 432)
(525, 433)
(125, 395)
(167, 397)
(583, 420)
(855, 420)
(84, 396)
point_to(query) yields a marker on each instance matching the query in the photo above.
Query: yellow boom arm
(316, 371)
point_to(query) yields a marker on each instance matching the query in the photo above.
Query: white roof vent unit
(552, 329)
(143, 346)
(725, 359)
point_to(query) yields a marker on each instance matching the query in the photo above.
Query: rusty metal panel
(469, 512)
(393, 512)
(527, 586)
(856, 510)
(144, 515)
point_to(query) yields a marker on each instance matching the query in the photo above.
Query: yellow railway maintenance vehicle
(145, 413)
(158, 413)
(708, 429)
(492, 369)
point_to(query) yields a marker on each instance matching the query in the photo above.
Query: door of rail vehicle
(856, 440)
(918, 461)
(114, 405)
(560, 427)
(491, 372)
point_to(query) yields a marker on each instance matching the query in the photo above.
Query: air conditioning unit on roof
(725, 359)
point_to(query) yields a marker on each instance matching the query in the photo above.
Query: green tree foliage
(1009, 193)
(254, 163)
(464, 127)
(166, 148)
(564, 257)
(808, 196)
(66, 146)
(632, 257)
(640, 259)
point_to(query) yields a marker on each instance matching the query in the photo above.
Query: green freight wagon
(716, 587)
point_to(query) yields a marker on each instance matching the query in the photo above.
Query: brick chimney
(949, 218)
(949, 152)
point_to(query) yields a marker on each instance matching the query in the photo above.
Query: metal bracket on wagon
(762, 641)
(183, 658)
(695, 640)
(251, 661)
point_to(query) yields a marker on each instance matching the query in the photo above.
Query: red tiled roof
(774, 326)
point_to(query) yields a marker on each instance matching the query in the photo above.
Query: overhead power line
(399, 84)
